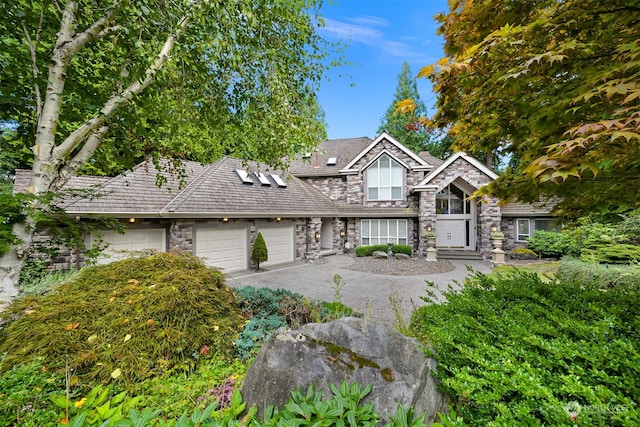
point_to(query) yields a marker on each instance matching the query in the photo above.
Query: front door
(455, 219)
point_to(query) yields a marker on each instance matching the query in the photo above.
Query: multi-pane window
(380, 231)
(525, 227)
(384, 179)
(452, 201)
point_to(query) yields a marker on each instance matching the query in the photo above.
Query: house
(349, 192)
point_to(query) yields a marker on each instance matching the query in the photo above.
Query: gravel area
(399, 267)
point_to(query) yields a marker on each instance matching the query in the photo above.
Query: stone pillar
(314, 236)
(426, 218)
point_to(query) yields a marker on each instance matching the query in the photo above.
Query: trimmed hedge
(396, 249)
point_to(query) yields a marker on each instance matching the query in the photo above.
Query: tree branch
(96, 30)
(92, 126)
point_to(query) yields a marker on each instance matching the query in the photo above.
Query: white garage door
(121, 245)
(279, 240)
(224, 248)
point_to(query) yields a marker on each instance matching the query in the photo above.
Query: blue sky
(380, 36)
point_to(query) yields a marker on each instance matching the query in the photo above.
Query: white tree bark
(53, 165)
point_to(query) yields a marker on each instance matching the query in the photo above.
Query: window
(381, 231)
(384, 179)
(522, 232)
(452, 201)
(524, 227)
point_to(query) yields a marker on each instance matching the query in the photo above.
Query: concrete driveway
(377, 296)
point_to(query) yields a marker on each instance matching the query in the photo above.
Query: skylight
(331, 161)
(278, 180)
(262, 178)
(244, 176)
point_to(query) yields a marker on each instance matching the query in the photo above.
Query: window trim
(368, 185)
(518, 234)
(379, 237)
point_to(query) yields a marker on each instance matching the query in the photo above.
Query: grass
(545, 270)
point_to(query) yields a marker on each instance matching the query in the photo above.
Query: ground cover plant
(45, 384)
(518, 350)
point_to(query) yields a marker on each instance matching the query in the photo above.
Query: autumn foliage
(552, 85)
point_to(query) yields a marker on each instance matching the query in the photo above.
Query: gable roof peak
(386, 137)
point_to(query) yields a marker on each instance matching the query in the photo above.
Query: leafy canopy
(240, 79)
(552, 84)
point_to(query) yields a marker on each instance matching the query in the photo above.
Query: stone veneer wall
(508, 227)
(427, 216)
(181, 235)
(488, 211)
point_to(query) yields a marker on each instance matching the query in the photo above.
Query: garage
(222, 247)
(121, 245)
(279, 239)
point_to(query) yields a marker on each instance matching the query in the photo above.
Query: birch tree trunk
(54, 164)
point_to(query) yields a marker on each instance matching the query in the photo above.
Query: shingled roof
(342, 150)
(203, 191)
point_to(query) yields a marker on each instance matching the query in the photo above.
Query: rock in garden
(349, 349)
(402, 256)
(380, 254)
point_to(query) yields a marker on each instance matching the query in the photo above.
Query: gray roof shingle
(344, 150)
(202, 191)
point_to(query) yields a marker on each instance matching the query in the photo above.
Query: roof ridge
(180, 197)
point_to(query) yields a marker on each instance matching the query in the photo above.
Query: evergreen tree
(406, 127)
(260, 252)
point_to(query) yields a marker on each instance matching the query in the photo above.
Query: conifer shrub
(127, 321)
(260, 252)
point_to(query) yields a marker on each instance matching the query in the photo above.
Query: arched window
(384, 179)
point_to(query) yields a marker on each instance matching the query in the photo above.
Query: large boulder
(351, 349)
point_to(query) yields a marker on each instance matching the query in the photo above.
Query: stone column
(314, 236)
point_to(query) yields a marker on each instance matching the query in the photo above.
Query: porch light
(429, 228)
(317, 235)
(278, 219)
(132, 220)
(342, 233)
(494, 228)
(225, 219)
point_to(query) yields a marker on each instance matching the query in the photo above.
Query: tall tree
(553, 84)
(405, 127)
(112, 79)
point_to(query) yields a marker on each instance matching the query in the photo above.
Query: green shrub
(620, 253)
(255, 333)
(572, 270)
(25, 395)
(518, 351)
(259, 253)
(523, 253)
(127, 320)
(370, 249)
(591, 235)
(548, 243)
(630, 227)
